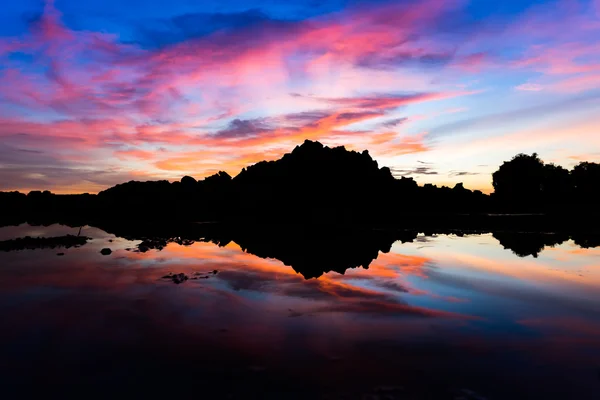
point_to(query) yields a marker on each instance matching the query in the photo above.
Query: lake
(441, 316)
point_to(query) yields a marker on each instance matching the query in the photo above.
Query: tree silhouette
(557, 186)
(518, 183)
(526, 183)
(586, 182)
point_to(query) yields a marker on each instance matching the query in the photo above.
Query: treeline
(318, 184)
(526, 183)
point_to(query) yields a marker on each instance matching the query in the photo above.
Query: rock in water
(176, 278)
(105, 251)
(32, 243)
(179, 278)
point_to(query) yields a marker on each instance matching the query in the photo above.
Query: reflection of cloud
(393, 286)
(558, 290)
(332, 292)
(354, 334)
(375, 307)
(566, 326)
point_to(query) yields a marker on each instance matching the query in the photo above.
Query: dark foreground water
(442, 317)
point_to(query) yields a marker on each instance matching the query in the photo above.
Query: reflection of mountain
(529, 243)
(310, 251)
(314, 250)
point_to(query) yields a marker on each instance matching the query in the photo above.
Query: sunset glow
(98, 92)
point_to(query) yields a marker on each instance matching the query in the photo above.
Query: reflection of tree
(526, 244)
(32, 243)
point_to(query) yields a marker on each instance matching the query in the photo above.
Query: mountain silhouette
(316, 184)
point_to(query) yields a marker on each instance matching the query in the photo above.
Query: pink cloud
(473, 62)
(136, 154)
(566, 58)
(578, 83)
(146, 83)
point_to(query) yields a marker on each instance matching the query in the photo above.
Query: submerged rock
(60, 254)
(179, 278)
(105, 251)
(176, 278)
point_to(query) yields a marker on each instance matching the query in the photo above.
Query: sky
(98, 92)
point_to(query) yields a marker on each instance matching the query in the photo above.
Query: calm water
(441, 317)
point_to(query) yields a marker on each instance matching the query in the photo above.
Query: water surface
(440, 317)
